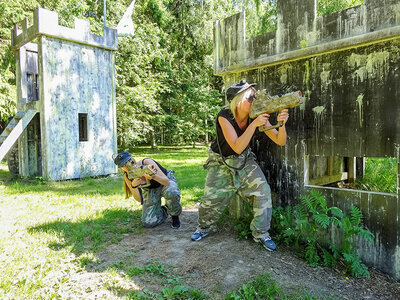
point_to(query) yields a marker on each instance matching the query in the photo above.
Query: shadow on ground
(162, 256)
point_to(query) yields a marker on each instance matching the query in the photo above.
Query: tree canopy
(165, 88)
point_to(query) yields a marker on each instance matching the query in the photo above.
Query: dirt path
(219, 264)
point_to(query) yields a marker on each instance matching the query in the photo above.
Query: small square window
(83, 127)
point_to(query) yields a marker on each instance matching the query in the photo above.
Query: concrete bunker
(348, 68)
(66, 120)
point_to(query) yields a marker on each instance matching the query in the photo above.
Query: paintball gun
(265, 103)
(135, 171)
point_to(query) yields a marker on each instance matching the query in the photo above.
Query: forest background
(164, 71)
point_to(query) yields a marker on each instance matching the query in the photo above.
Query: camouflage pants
(152, 213)
(222, 183)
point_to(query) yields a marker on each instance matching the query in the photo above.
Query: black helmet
(121, 159)
(237, 88)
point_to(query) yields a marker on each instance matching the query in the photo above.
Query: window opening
(32, 76)
(32, 87)
(375, 174)
(83, 127)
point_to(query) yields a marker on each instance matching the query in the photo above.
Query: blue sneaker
(198, 235)
(267, 243)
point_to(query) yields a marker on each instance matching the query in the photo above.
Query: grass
(264, 287)
(51, 231)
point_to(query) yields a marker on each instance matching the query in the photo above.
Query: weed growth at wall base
(307, 226)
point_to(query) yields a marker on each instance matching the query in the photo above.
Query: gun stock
(265, 103)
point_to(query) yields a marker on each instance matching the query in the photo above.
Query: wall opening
(326, 7)
(375, 174)
(34, 147)
(83, 127)
(32, 85)
(261, 16)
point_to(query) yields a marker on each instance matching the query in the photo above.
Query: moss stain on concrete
(373, 65)
(359, 101)
(319, 115)
(306, 80)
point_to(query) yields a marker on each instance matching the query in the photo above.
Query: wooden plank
(351, 162)
(330, 165)
(16, 132)
(323, 180)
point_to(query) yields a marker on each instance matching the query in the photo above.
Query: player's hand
(148, 177)
(283, 116)
(261, 120)
(137, 181)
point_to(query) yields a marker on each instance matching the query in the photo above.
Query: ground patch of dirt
(219, 263)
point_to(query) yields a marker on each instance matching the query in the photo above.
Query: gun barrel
(264, 103)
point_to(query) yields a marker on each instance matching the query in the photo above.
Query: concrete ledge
(370, 38)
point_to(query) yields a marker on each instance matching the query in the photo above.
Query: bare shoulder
(147, 161)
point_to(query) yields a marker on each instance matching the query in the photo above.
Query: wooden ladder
(13, 130)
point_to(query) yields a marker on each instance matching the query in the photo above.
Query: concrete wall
(76, 76)
(347, 66)
(77, 80)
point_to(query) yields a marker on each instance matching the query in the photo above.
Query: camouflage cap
(237, 88)
(121, 159)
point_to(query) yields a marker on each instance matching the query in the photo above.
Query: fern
(300, 212)
(355, 266)
(355, 215)
(289, 232)
(322, 220)
(311, 255)
(307, 201)
(337, 212)
(335, 251)
(328, 259)
(306, 227)
(337, 222)
(318, 200)
(366, 235)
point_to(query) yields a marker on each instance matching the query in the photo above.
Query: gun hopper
(265, 103)
(135, 171)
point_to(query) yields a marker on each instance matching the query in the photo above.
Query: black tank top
(153, 183)
(225, 148)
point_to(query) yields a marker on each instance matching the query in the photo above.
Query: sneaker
(198, 235)
(165, 210)
(175, 222)
(267, 243)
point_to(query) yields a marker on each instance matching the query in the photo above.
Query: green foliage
(165, 78)
(380, 175)
(307, 226)
(166, 91)
(325, 7)
(165, 82)
(241, 225)
(261, 15)
(181, 292)
(175, 290)
(264, 287)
